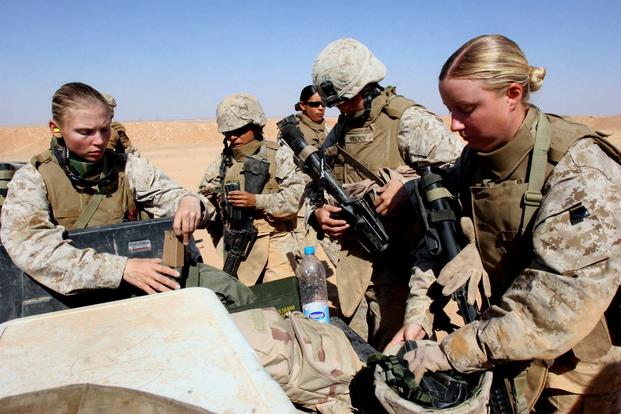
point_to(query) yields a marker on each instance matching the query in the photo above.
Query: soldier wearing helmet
(119, 141)
(379, 141)
(241, 119)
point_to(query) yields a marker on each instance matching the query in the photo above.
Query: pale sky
(167, 60)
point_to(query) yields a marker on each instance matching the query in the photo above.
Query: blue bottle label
(317, 311)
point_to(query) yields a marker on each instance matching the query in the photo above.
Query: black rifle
(240, 234)
(358, 213)
(433, 203)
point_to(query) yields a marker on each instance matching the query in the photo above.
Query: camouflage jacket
(571, 274)
(36, 245)
(282, 203)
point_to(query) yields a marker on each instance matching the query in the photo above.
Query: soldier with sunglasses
(311, 116)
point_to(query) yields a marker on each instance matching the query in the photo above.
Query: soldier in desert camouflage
(241, 119)
(542, 204)
(383, 138)
(77, 183)
(119, 141)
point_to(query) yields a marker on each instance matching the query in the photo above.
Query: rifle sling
(89, 211)
(359, 166)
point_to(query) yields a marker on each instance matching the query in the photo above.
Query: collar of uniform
(506, 159)
(239, 153)
(312, 124)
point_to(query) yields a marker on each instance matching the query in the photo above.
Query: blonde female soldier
(78, 183)
(542, 198)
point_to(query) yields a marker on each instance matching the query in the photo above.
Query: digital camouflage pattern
(419, 138)
(283, 203)
(556, 301)
(276, 245)
(36, 244)
(349, 65)
(236, 111)
(425, 140)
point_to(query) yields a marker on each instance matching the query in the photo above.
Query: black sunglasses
(314, 104)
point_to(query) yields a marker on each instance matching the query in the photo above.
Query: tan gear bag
(312, 361)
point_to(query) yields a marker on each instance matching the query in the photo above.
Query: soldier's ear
(55, 129)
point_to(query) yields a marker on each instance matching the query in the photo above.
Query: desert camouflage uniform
(555, 287)
(376, 291)
(35, 243)
(314, 133)
(275, 221)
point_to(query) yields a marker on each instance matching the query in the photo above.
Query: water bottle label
(317, 311)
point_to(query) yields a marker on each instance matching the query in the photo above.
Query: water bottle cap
(309, 250)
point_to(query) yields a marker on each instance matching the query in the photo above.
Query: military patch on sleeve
(572, 239)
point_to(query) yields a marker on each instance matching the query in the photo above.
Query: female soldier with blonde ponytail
(541, 198)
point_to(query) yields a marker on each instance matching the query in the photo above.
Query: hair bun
(297, 107)
(536, 74)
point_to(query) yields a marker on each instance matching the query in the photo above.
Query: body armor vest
(373, 141)
(497, 182)
(235, 172)
(67, 202)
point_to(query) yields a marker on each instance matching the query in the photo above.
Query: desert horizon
(183, 149)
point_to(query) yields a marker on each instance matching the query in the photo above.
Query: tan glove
(465, 267)
(428, 356)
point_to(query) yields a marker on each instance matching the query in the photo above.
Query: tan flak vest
(251, 268)
(502, 237)
(314, 133)
(374, 145)
(73, 208)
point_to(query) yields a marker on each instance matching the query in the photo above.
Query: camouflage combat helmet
(239, 110)
(110, 101)
(343, 68)
(394, 403)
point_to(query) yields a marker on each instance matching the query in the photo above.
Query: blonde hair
(496, 62)
(73, 95)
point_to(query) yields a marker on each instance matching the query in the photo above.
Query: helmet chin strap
(369, 93)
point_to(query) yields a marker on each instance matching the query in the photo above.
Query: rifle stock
(356, 212)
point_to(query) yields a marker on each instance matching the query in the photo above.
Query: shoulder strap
(537, 171)
(359, 166)
(397, 105)
(89, 211)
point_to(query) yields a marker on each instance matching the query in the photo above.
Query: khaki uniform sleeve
(288, 199)
(157, 192)
(424, 139)
(558, 300)
(37, 247)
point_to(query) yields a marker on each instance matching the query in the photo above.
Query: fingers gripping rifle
(358, 213)
(240, 235)
(433, 202)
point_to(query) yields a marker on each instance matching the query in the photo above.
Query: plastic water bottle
(313, 289)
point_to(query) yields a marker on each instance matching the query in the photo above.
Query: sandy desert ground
(183, 148)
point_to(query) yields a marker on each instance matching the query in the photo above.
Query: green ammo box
(283, 294)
